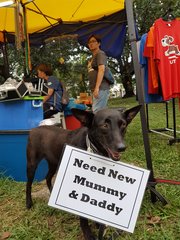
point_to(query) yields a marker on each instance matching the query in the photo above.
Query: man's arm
(100, 75)
(50, 93)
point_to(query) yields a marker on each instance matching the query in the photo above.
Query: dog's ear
(131, 113)
(85, 117)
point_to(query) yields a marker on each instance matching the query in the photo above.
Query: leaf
(154, 220)
(5, 235)
(51, 222)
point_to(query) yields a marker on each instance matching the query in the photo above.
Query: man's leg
(101, 101)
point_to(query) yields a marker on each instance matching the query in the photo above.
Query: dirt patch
(41, 190)
(41, 193)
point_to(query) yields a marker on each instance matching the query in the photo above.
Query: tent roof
(41, 14)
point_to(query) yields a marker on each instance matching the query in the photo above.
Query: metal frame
(172, 138)
(140, 94)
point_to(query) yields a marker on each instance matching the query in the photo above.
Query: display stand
(140, 94)
(174, 138)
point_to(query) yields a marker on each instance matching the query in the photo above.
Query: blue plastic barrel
(20, 114)
(13, 156)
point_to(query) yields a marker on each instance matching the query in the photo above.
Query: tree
(145, 13)
(69, 59)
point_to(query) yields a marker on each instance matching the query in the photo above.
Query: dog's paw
(91, 237)
(94, 238)
(29, 205)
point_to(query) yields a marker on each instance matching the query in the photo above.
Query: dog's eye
(105, 125)
(122, 124)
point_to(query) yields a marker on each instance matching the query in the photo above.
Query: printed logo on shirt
(49, 83)
(89, 66)
(173, 50)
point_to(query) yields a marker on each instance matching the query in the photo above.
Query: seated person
(51, 102)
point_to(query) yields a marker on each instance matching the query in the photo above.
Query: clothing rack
(140, 91)
(174, 138)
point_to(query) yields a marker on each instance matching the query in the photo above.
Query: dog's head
(107, 128)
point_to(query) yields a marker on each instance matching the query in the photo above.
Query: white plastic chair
(60, 119)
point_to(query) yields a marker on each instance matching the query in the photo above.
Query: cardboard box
(83, 95)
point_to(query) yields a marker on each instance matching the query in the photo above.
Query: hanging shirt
(153, 75)
(167, 55)
(149, 98)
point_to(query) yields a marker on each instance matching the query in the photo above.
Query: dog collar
(90, 147)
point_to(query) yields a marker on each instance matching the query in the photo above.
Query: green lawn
(155, 221)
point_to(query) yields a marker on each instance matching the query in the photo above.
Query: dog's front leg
(102, 228)
(88, 235)
(50, 174)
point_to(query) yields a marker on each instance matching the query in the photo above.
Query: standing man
(51, 102)
(96, 69)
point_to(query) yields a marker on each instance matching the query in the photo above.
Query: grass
(155, 221)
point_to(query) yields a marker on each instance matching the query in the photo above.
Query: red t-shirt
(167, 55)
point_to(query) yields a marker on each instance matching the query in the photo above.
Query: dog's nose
(121, 147)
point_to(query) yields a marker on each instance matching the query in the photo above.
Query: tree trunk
(127, 83)
(126, 74)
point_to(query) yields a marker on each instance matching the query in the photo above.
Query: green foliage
(67, 58)
(73, 71)
(147, 11)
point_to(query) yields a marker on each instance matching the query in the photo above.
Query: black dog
(103, 133)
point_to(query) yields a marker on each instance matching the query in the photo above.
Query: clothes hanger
(168, 16)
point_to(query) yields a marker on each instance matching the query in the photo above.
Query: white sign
(99, 188)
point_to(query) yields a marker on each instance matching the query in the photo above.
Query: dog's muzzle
(115, 155)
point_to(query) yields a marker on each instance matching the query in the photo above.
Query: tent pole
(26, 42)
(140, 94)
(5, 57)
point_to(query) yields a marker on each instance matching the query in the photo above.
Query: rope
(174, 182)
(77, 8)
